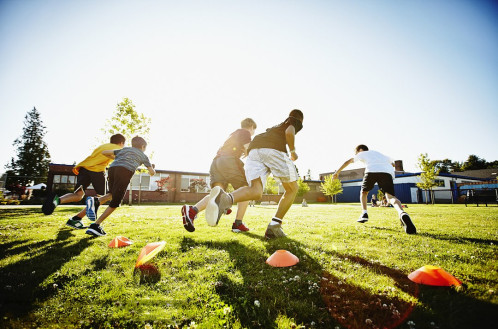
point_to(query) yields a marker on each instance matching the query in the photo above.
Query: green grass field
(350, 275)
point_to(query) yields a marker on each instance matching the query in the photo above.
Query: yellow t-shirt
(97, 161)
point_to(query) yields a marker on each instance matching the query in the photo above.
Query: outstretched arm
(290, 135)
(151, 170)
(344, 165)
(109, 154)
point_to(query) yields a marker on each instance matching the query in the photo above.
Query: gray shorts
(227, 169)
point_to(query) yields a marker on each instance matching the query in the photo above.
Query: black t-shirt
(274, 137)
(234, 145)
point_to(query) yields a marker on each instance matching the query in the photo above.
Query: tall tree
(474, 162)
(331, 187)
(33, 157)
(428, 175)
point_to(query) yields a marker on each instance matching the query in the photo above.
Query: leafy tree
(197, 185)
(33, 157)
(331, 187)
(165, 184)
(474, 162)
(127, 121)
(446, 165)
(428, 175)
(302, 187)
(271, 186)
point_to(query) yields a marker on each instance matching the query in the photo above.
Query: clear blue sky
(403, 77)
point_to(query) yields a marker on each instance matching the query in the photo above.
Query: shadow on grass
(21, 281)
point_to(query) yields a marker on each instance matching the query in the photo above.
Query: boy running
(89, 171)
(126, 161)
(267, 154)
(380, 170)
(226, 168)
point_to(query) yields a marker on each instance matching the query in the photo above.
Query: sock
(195, 209)
(238, 222)
(363, 212)
(275, 221)
(57, 200)
(400, 211)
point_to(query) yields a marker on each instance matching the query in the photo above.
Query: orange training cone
(282, 258)
(149, 251)
(119, 241)
(434, 276)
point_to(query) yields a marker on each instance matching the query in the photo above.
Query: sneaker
(407, 223)
(50, 203)
(274, 231)
(363, 218)
(219, 203)
(91, 208)
(239, 228)
(75, 222)
(189, 214)
(95, 230)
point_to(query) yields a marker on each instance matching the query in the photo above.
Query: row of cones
(428, 275)
(146, 254)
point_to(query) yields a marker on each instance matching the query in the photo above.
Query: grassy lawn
(350, 275)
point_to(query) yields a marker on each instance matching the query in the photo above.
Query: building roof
(157, 170)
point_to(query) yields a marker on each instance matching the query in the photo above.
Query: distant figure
(304, 204)
(379, 169)
(374, 201)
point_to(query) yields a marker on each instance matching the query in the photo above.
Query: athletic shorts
(227, 169)
(86, 177)
(264, 161)
(384, 180)
(119, 178)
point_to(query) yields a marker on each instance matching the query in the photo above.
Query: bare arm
(109, 154)
(344, 165)
(290, 135)
(151, 170)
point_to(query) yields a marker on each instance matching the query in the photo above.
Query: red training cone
(282, 258)
(434, 276)
(119, 241)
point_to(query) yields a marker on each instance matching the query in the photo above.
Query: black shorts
(227, 169)
(86, 177)
(119, 178)
(384, 180)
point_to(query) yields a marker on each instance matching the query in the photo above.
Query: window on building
(64, 182)
(140, 181)
(186, 181)
(440, 182)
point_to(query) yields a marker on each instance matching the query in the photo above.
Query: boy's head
(118, 139)
(139, 143)
(361, 148)
(248, 124)
(297, 114)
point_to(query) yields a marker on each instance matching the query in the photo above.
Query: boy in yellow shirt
(89, 171)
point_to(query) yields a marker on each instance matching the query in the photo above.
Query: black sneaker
(75, 222)
(50, 203)
(189, 214)
(92, 205)
(363, 218)
(407, 223)
(95, 230)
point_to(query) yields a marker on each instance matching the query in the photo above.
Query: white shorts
(261, 162)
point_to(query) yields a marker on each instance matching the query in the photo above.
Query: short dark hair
(296, 114)
(117, 139)
(361, 147)
(248, 123)
(138, 142)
